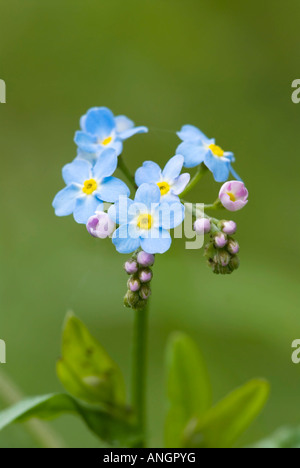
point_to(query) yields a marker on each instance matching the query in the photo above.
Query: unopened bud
(145, 275)
(220, 240)
(229, 227)
(234, 262)
(233, 247)
(202, 226)
(145, 259)
(131, 267)
(145, 292)
(131, 298)
(222, 258)
(133, 284)
(100, 225)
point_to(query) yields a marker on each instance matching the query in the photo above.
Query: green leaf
(285, 437)
(188, 387)
(86, 370)
(224, 423)
(113, 430)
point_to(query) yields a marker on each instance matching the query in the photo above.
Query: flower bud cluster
(138, 284)
(221, 252)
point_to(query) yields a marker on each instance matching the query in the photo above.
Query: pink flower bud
(220, 240)
(202, 226)
(100, 225)
(145, 275)
(233, 247)
(131, 267)
(229, 227)
(133, 284)
(145, 259)
(233, 195)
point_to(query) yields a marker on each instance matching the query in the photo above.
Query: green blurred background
(226, 67)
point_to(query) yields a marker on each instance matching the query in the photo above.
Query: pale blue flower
(169, 180)
(87, 187)
(197, 148)
(100, 130)
(145, 222)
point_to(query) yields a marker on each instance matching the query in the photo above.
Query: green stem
(139, 369)
(122, 166)
(217, 205)
(202, 169)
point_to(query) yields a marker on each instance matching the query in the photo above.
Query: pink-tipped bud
(220, 240)
(145, 275)
(145, 292)
(145, 259)
(233, 247)
(202, 226)
(133, 284)
(229, 227)
(131, 267)
(100, 225)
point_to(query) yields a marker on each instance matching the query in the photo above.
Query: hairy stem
(202, 169)
(122, 166)
(139, 370)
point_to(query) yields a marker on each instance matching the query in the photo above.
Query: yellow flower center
(89, 186)
(145, 221)
(107, 141)
(164, 187)
(216, 150)
(231, 196)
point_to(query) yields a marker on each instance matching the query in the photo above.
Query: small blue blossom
(100, 130)
(87, 187)
(197, 148)
(169, 180)
(145, 222)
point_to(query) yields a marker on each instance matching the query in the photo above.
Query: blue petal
(191, 133)
(77, 172)
(193, 154)
(119, 211)
(122, 240)
(219, 167)
(147, 194)
(85, 207)
(106, 164)
(173, 168)
(132, 131)
(180, 183)
(123, 123)
(90, 157)
(111, 189)
(65, 200)
(169, 215)
(149, 173)
(235, 175)
(86, 142)
(99, 121)
(156, 241)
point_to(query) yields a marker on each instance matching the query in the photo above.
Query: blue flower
(88, 186)
(170, 183)
(100, 130)
(145, 222)
(197, 148)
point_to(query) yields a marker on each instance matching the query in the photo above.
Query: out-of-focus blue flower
(197, 148)
(100, 130)
(87, 187)
(145, 222)
(169, 180)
